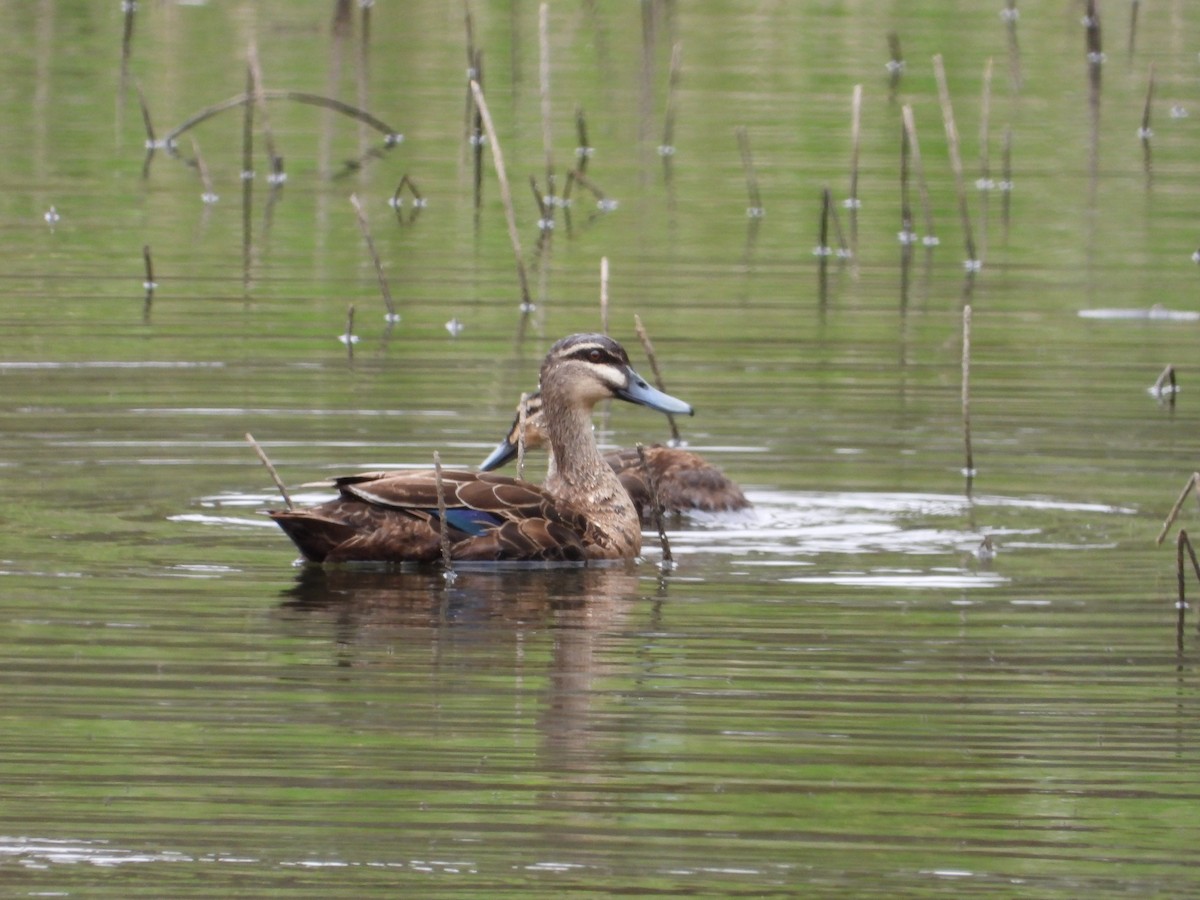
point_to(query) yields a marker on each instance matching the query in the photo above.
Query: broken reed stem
(539, 199)
(443, 525)
(260, 104)
(544, 92)
(939, 70)
(391, 136)
(365, 227)
(583, 150)
(1183, 542)
(852, 202)
(505, 193)
(604, 295)
(667, 147)
(668, 561)
(1192, 482)
(271, 470)
(1006, 179)
(1144, 132)
(1010, 16)
(1181, 581)
(755, 210)
(584, 181)
(823, 247)
(149, 284)
(895, 64)
(843, 248)
(985, 183)
(522, 417)
(914, 149)
(1133, 24)
(477, 133)
(209, 195)
(1160, 384)
(151, 143)
(644, 337)
(969, 470)
(348, 338)
(907, 229)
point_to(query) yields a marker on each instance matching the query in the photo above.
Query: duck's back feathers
(389, 516)
(684, 481)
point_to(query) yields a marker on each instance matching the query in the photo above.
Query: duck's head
(579, 372)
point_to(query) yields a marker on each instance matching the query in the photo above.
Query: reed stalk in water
(604, 295)
(544, 93)
(668, 561)
(972, 262)
(644, 337)
(969, 469)
(262, 455)
(1188, 488)
(505, 193)
(443, 525)
(895, 65)
(365, 227)
(852, 203)
(914, 149)
(755, 209)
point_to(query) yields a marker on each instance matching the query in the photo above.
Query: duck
(581, 513)
(684, 480)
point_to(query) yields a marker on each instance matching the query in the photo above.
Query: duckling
(581, 513)
(684, 480)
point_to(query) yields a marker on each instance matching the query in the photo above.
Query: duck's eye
(595, 355)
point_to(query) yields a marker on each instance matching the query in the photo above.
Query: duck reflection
(498, 621)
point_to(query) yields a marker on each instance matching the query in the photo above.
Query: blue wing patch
(472, 521)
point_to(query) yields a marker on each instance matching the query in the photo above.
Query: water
(838, 693)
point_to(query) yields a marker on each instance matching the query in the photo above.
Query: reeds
(1010, 16)
(1182, 543)
(604, 295)
(522, 414)
(1165, 386)
(149, 284)
(1192, 485)
(972, 262)
(544, 94)
(505, 194)
(392, 137)
(364, 226)
(666, 149)
(1145, 132)
(895, 64)
(644, 337)
(984, 184)
(852, 202)
(914, 149)
(258, 450)
(443, 525)
(755, 210)
(668, 561)
(969, 467)
(1134, 7)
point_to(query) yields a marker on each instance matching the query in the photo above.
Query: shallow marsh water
(835, 694)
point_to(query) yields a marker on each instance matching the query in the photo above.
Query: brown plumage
(684, 480)
(582, 513)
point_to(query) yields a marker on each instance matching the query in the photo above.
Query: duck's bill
(505, 452)
(640, 392)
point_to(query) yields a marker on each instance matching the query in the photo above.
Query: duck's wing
(684, 480)
(393, 516)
